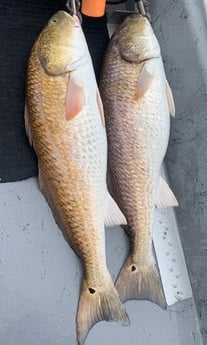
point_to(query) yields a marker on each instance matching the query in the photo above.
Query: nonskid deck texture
(170, 257)
(40, 279)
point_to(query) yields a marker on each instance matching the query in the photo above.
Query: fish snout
(77, 21)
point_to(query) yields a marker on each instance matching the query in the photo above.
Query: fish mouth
(147, 58)
(77, 21)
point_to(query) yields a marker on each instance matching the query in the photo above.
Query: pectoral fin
(144, 83)
(113, 215)
(165, 196)
(170, 99)
(75, 99)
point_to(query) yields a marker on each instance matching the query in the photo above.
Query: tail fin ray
(96, 305)
(140, 283)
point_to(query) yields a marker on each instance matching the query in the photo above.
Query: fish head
(136, 39)
(61, 44)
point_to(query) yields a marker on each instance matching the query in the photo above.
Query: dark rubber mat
(97, 37)
(20, 23)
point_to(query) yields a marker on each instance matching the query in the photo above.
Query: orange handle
(93, 8)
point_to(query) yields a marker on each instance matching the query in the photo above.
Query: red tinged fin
(75, 99)
(100, 107)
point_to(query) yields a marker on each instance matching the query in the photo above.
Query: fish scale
(65, 124)
(134, 91)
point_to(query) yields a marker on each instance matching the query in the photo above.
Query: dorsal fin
(165, 196)
(27, 126)
(100, 107)
(170, 99)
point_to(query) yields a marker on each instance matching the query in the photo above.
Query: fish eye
(54, 20)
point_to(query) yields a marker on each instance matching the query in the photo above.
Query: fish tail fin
(141, 283)
(98, 304)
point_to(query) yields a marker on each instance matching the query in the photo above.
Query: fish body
(137, 104)
(65, 123)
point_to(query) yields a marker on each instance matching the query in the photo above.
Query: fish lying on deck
(65, 123)
(137, 104)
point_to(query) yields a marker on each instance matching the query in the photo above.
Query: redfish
(65, 123)
(137, 104)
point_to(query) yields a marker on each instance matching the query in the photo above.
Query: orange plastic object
(93, 8)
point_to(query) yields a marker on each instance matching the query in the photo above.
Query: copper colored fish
(65, 123)
(137, 104)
